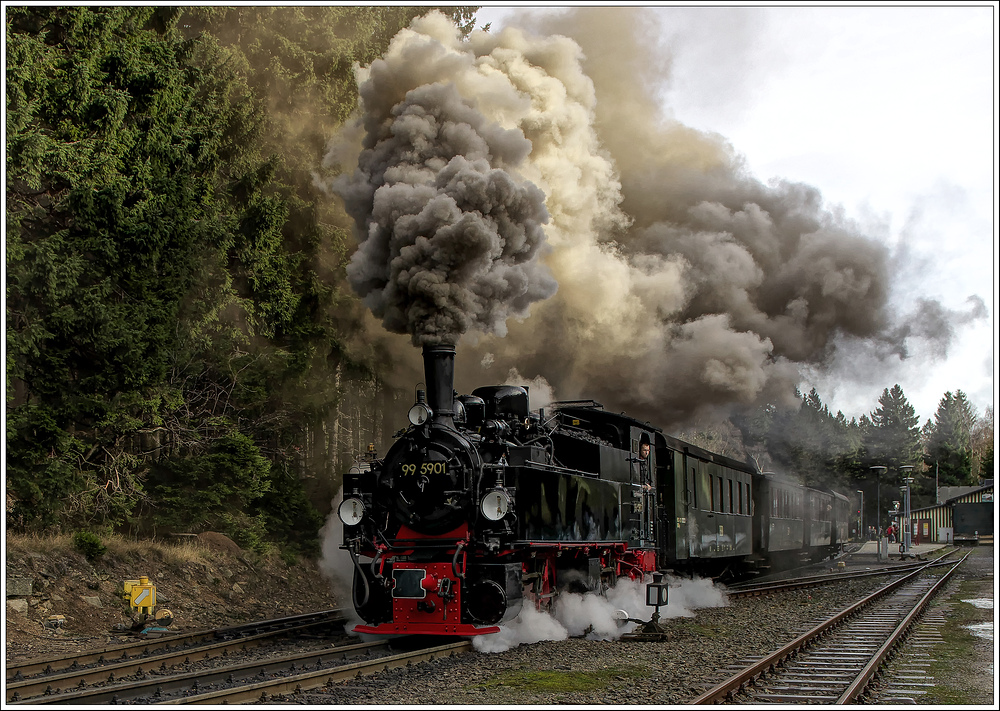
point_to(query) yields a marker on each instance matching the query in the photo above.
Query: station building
(965, 514)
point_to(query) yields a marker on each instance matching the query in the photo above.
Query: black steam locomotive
(482, 503)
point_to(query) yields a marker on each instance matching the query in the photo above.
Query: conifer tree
(119, 132)
(982, 446)
(891, 438)
(174, 318)
(948, 441)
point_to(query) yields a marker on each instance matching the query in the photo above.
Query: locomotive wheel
(487, 602)
(377, 608)
(541, 590)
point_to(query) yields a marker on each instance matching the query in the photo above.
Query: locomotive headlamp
(351, 511)
(419, 414)
(495, 505)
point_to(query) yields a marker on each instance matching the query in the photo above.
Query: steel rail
(31, 688)
(856, 687)
(145, 647)
(901, 567)
(154, 686)
(738, 681)
(260, 692)
(816, 580)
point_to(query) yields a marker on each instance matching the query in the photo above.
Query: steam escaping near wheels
(335, 563)
(600, 617)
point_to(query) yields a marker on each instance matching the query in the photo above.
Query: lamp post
(861, 517)
(656, 596)
(908, 480)
(878, 497)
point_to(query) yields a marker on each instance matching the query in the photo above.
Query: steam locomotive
(482, 504)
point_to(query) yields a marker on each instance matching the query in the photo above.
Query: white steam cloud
(335, 563)
(594, 616)
(540, 393)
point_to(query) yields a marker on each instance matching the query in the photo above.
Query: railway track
(53, 677)
(833, 662)
(283, 686)
(254, 680)
(145, 647)
(767, 588)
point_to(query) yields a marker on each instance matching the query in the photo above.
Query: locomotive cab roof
(593, 412)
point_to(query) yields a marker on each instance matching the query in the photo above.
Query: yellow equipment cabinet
(141, 595)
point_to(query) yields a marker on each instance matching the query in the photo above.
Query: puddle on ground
(982, 629)
(984, 603)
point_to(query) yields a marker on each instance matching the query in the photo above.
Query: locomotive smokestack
(439, 373)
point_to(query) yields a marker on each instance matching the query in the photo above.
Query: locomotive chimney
(439, 374)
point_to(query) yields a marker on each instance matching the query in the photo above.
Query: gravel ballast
(581, 671)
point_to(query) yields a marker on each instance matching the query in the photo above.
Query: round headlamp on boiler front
(351, 511)
(419, 414)
(495, 505)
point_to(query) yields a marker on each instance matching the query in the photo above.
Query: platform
(870, 548)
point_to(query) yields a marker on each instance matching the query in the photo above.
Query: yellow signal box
(141, 594)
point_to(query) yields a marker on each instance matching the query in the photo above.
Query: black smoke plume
(449, 234)
(686, 286)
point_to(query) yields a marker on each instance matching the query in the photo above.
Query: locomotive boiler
(482, 505)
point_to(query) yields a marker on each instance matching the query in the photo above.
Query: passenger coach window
(739, 485)
(705, 482)
(730, 495)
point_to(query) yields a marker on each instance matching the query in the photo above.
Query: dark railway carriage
(841, 520)
(780, 521)
(819, 515)
(482, 505)
(827, 520)
(705, 505)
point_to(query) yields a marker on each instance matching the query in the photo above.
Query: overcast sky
(889, 112)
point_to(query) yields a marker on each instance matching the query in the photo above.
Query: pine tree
(949, 440)
(176, 321)
(982, 446)
(810, 443)
(120, 130)
(891, 438)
